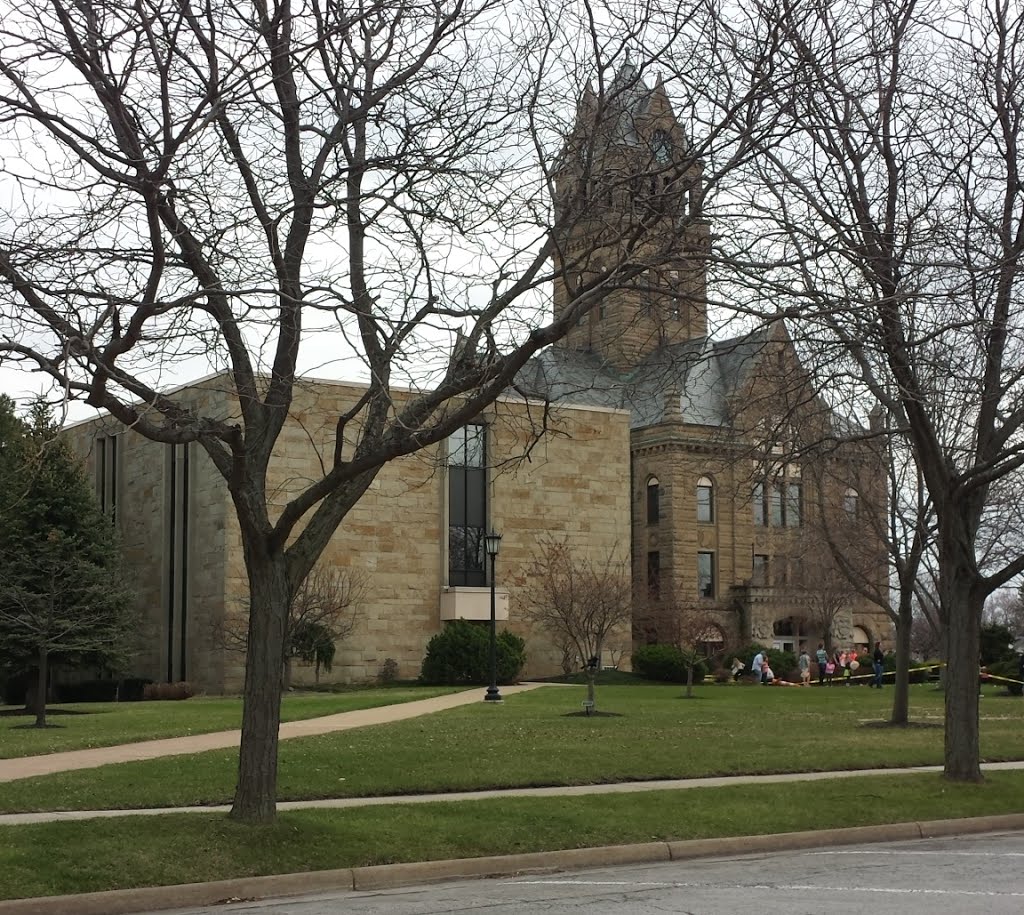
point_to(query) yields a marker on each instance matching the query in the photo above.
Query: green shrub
(511, 656)
(665, 663)
(1010, 670)
(995, 644)
(746, 654)
(86, 691)
(460, 654)
(783, 663)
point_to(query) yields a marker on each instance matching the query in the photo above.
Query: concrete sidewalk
(149, 899)
(675, 784)
(28, 766)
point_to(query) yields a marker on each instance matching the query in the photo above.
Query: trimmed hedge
(460, 654)
(665, 663)
(86, 691)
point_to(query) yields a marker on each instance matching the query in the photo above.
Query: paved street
(982, 874)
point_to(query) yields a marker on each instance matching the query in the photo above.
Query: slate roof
(701, 373)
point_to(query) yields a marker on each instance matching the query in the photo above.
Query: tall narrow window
(706, 574)
(705, 500)
(107, 465)
(676, 295)
(775, 506)
(653, 501)
(850, 504)
(794, 504)
(467, 507)
(760, 516)
(654, 575)
(759, 570)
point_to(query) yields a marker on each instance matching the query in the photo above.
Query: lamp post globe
(492, 543)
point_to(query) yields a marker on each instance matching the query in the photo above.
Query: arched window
(850, 499)
(653, 501)
(705, 500)
(711, 641)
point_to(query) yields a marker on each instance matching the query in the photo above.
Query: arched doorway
(789, 633)
(861, 638)
(711, 642)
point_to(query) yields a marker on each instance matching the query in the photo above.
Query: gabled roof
(689, 381)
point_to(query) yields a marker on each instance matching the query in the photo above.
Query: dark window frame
(468, 507)
(653, 501)
(705, 501)
(706, 577)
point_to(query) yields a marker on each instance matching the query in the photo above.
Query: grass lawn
(534, 739)
(103, 724)
(144, 851)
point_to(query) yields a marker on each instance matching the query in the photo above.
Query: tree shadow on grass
(34, 727)
(905, 726)
(24, 712)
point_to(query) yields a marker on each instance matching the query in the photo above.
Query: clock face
(661, 146)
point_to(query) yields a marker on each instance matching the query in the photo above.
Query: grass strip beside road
(65, 858)
(532, 741)
(83, 725)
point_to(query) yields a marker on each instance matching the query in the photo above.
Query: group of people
(842, 662)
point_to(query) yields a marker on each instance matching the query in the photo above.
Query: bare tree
(1005, 608)
(692, 627)
(323, 613)
(212, 186)
(882, 511)
(585, 604)
(926, 640)
(893, 234)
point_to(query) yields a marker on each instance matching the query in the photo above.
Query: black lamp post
(492, 542)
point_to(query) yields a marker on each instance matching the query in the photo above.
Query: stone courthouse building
(702, 458)
(740, 477)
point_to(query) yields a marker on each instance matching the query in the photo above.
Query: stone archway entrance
(711, 642)
(791, 633)
(861, 638)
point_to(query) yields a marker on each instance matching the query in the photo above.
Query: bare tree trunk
(689, 682)
(40, 708)
(256, 793)
(591, 691)
(962, 747)
(901, 682)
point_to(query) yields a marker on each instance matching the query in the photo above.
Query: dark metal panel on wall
(175, 553)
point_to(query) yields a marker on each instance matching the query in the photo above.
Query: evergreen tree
(62, 598)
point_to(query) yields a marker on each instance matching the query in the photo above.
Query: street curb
(391, 876)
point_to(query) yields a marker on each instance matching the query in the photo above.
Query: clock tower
(628, 198)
